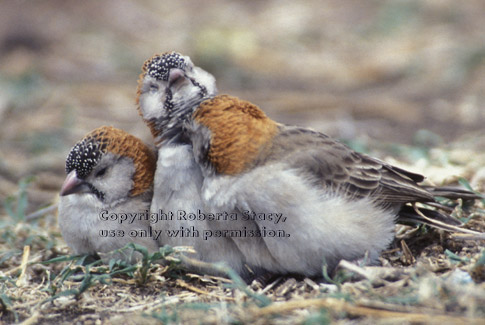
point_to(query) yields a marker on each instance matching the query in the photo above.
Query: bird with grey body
(178, 178)
(301, 198)
(109, 175)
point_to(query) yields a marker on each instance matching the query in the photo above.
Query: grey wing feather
(334, 165)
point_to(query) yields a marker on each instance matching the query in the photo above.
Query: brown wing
(336, 166)
(333, 165)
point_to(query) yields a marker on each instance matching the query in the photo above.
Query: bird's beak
(175, 74)
(176, 79)
(73, 184)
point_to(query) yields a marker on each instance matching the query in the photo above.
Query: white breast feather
(320, 225)
(178, 182)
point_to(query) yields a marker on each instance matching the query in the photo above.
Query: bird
(302, 198)
(169, 78)
(105, 199)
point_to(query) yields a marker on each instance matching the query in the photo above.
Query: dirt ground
(401, 80)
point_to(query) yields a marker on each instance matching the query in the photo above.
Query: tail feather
(437, 220)
(454, 193)
(409, 213)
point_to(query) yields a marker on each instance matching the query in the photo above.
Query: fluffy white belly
(301, 224)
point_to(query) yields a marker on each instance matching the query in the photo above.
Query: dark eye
(153, 87)
(100, 173)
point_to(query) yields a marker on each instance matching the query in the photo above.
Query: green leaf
(455, 258)
(64, 258)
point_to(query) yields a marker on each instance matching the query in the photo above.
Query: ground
(400, 80)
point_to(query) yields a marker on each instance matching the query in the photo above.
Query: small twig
(355, 269)
(185, 285)
(271, 285)
(23, 266)
(467, 237)
(407, 257)
(34, 319)
(123, 281)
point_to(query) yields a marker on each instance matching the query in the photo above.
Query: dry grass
(426, 276)
(406, 74)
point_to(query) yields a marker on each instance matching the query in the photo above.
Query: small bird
(302, 198)
(105, 199)
(333, 202)
(166, 79)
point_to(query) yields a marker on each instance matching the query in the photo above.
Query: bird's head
(109, 164)
(170, 87)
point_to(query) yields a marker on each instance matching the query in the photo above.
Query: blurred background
(379, 75)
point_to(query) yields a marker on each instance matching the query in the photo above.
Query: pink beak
(72, 185)
(175, 74)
